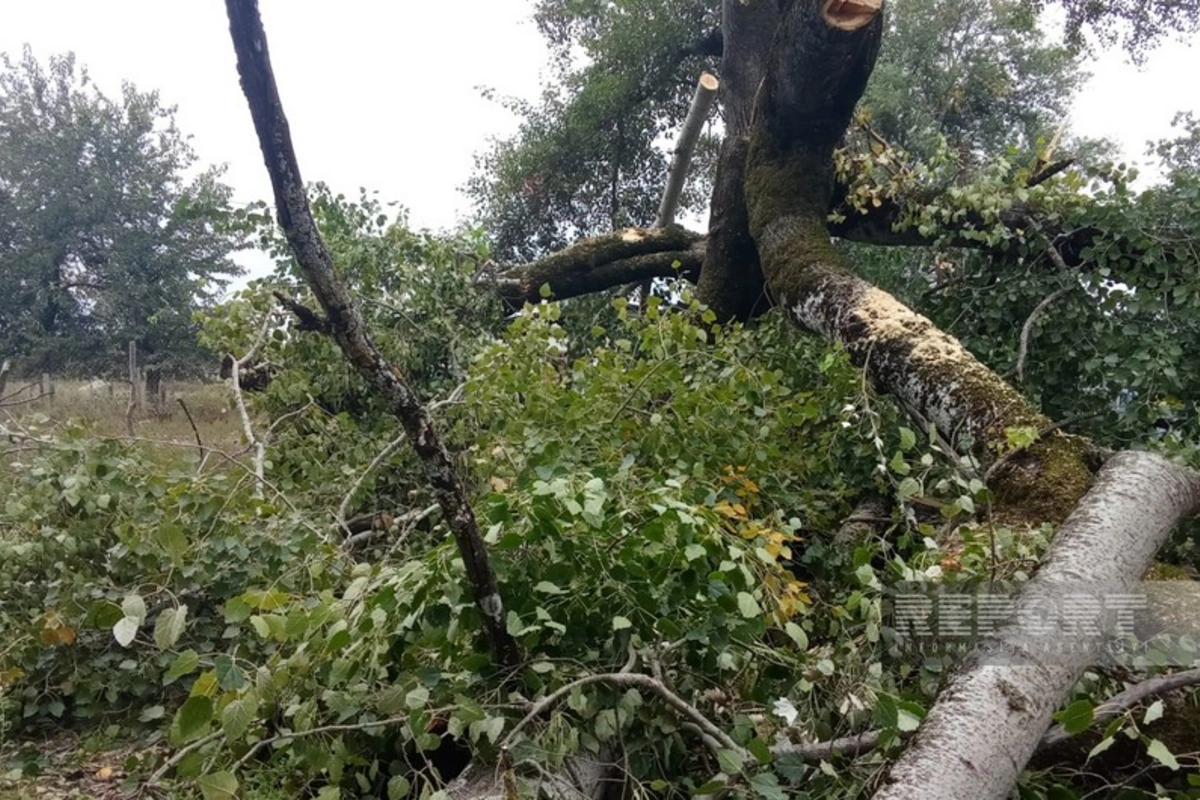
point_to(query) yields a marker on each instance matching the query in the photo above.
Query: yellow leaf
(55, 629)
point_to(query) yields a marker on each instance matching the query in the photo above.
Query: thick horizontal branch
(603, 262)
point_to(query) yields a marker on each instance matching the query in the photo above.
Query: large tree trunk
(732, 281)
(989, 719)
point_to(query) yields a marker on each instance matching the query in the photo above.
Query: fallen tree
(788, 106)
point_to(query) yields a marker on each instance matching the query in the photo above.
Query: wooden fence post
(135, 379)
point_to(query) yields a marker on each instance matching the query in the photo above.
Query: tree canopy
(109, 233)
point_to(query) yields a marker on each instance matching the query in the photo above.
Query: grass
(102, 410)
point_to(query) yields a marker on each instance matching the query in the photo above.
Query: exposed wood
(989, 719)
(346, 323)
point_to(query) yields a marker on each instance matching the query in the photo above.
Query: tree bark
(345, 322)
(817, 74)
(731, 283)
(988, 721)
(614, 259)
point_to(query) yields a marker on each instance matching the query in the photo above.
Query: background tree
(108, 233)
(588, 156)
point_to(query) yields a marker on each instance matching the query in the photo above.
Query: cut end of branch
(850, 15)
(709, 82)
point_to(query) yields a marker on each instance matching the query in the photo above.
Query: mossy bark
(731, 283)
(816, 77)
(604, 262)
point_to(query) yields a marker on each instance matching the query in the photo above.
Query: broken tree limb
(627, 256)
(702, 100)
(346, 324)
(989, 719)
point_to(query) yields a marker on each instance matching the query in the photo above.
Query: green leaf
(151, 713)
(729, 761)
(192, 719)
(237, 716)
(545, 291)
(330, 793)
(1153, 713)
(1076, 717)
(906, 721)
(546, 587)
(134, 607)
(1159, 752)
(767, 785)
(797, 635)
(184, 663)
(907, 488)
(760, 750)
(621, 623)
(218, 786)
(417, 698)
(398, 787)
(711, 787)
(125, 630)
(747, 606)
(169, 627)
(230, 676)
(908, 439)
(491, 727)
(1100, 747)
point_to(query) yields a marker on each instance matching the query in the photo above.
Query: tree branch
(989, 719)
(1027, 328)
(346, 323)
(702, 100)
(1122, 702)
(603, 262)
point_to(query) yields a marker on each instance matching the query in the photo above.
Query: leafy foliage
(586, 159)
(980, 75)
(102, 239)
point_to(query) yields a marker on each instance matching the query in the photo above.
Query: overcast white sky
(383, 93)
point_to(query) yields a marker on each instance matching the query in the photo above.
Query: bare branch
(346, 323)
(631, 680)
(199, 442)
(253, 441)
(1027, 328)
(383, 454)
(1122, 702)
